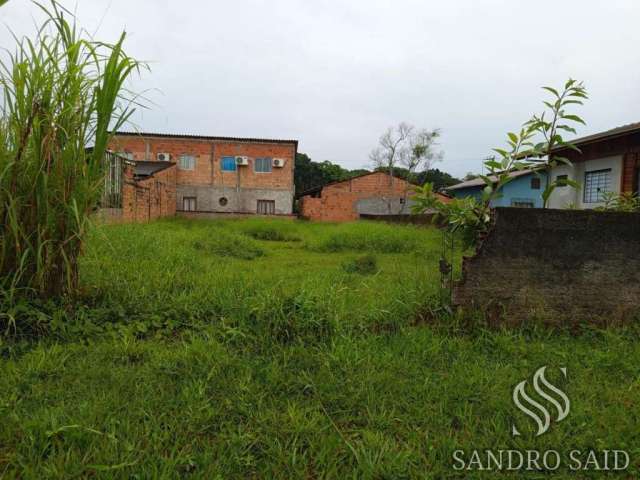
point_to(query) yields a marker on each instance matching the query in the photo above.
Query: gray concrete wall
(239, 200)
(383, 206)
(556, 266)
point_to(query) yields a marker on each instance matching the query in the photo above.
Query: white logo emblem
(530, 407)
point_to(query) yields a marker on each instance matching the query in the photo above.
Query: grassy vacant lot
(265, 349)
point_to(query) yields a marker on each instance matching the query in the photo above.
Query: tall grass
(61, 92)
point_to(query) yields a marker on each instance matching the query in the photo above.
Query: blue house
(524, 190)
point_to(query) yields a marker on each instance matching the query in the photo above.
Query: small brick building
(214, 174)
(375, 193)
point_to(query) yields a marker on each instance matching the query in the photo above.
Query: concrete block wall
(555, 266)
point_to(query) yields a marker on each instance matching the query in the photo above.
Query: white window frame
(255, 165)
(192, 201)
(600, 180)
(192, 162)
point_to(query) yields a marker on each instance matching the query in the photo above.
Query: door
(266, 207)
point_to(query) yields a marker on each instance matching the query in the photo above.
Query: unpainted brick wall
(148, 199)
(338, 201)
(207, 177)
(556, 266)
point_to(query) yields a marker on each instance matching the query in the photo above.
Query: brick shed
(138, 191)
(376, 193)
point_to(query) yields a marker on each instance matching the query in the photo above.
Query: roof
(320, 187)
(606, 135)
(147, 169)
(205, 137)
(478, 182)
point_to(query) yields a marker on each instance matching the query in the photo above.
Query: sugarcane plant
(63, 93)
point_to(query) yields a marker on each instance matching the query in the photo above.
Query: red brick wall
(338, 201)
(208, 155)
(630, 172)
(149, 199)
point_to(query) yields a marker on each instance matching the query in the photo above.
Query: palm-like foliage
(62, 92)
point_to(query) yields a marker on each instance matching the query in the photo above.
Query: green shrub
(226, 244)
(271, 233)
(372, 237)
(365, 265)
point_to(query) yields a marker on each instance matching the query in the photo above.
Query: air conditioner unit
(163, 157)
(242, 160)
(279, 162)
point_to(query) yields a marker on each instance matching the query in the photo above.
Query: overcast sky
(335, 74)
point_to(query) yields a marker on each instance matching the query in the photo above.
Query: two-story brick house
(220, 174)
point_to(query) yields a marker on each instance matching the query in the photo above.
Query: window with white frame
(187, 162)
(189, 204)
(596, 184)
(263, 165)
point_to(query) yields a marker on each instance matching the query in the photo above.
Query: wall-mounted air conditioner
(163, 157)
(279, 162)
(242, 160)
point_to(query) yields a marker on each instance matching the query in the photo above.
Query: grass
(190, 362)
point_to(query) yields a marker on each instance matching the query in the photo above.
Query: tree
(405, 146)
(439, 179)
(309, 174)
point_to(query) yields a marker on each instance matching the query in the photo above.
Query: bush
(271, 233)
(225, 244)
(372, 237)
(365, 265)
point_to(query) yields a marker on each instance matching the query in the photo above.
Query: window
(189, 204)
(596, 183)
(522, 203)
(535, 183)
(228, 164)
(266, 207)
(187, 162)
(561, 180)
(263, 165)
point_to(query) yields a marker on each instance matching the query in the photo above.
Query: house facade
(219, 174)
(608, 161)
(523, 190)
(376, 193)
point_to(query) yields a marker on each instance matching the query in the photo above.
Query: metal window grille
(113, 179)
(522, 202)
(596, 183)
(266, 207)
(263, 165)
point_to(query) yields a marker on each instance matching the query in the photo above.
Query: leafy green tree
(309, 174)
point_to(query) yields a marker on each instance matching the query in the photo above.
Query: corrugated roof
(206, 137)
(146, 169)
(612, 133)
(477, 182)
